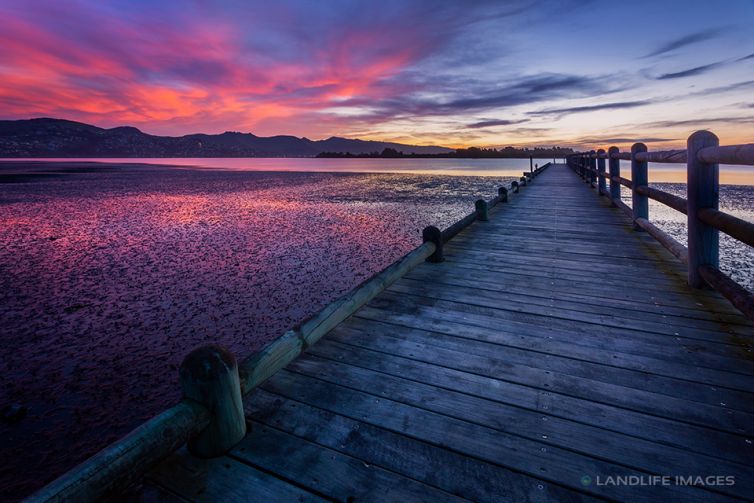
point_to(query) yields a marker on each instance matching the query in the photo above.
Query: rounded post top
(638, 147)
(613, 150)
(600, 151)
(207, 362)
(502, 190)
(702, 139)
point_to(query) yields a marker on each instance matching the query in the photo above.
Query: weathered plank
(328, 472)
(567, 310)
(670, 441)
(516, 284)
(223, 479)
(535, 458)
(431, 464)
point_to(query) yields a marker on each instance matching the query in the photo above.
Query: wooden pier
(553, 349)
(553, 345)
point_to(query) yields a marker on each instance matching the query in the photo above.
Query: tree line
(462, 153)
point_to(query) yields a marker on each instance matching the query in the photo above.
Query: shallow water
(658, 172)
(109, 275)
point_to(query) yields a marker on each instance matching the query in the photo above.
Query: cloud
(495, 122)
(591, 108)
(701, 122)
(724, 89)
(623, 139)
(520, 91)
(452, 96)
(687, 40)
(691, 71)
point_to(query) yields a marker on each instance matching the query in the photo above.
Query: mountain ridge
(50, 137)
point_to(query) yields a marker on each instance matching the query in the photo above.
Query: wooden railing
(702, 157)
(210, 417)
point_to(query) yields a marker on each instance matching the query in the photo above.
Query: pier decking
(553, 355)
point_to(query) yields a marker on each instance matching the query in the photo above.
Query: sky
(574, 73)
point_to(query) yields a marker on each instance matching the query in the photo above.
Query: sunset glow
(456, 74)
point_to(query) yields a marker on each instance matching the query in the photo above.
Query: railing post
(639, 178)
(614, 165)
(481, 210)
(702, 192)
(503, 193)
(584, 166)
(434, 235)
(209, 376)
(523, 181)
(593, 166)
(601, 168)
(514, 187)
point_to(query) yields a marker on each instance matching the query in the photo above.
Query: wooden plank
(471, 293)
(223, 479)
(527, 336)
(516, 285)
(575, 272)
(680, 350)
(431, 464)
(543, 400)
(535, 458)
(602, 285)
(151, 493)
(660, 274)
(515, 358)
(664, 361)
(663, 274)
(706, 449)
(550, 320)
(328, 472)
(640, 437)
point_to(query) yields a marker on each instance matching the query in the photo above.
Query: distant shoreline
(321, 156)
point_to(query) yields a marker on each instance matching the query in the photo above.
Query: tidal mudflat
(111, 274)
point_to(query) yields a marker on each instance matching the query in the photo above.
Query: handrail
(705, 220)
(674, 246)
(732, 226)
(731, 154)
(124, 462)
(668, 156)
(666, 198)
(623, 181)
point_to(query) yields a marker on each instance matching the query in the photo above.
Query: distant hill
(63, 138)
